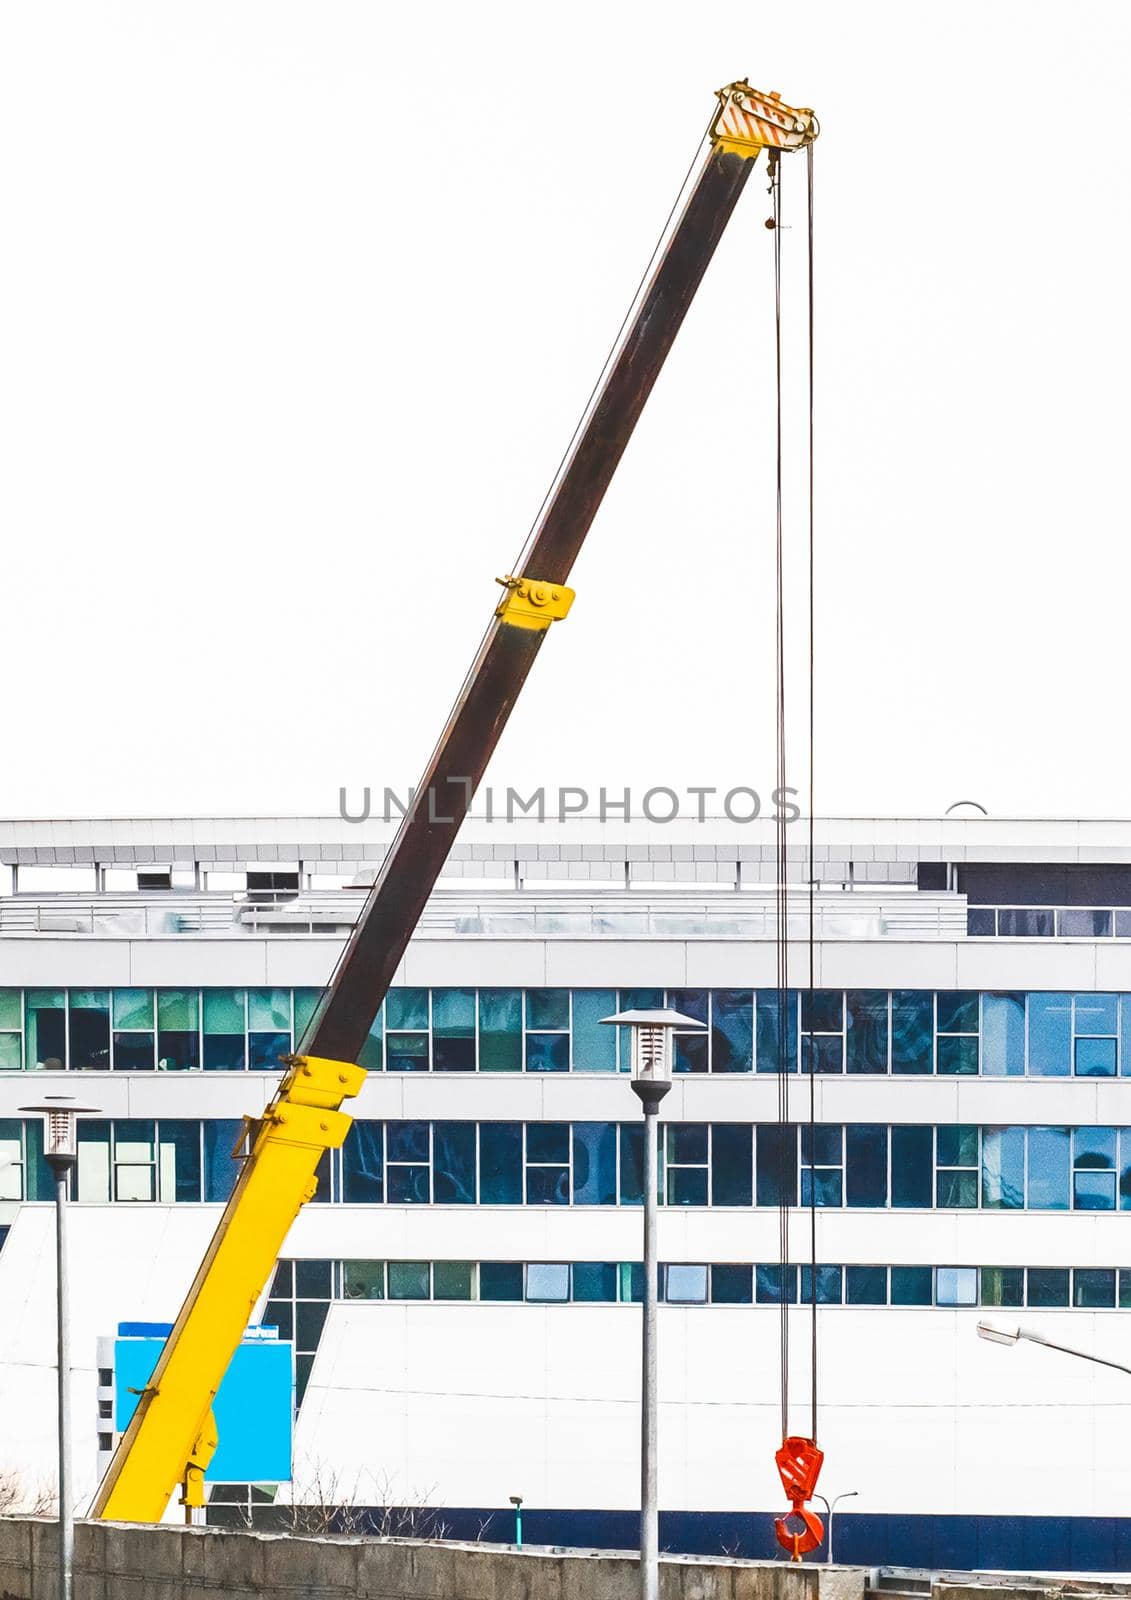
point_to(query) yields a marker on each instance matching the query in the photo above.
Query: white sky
(299, 303)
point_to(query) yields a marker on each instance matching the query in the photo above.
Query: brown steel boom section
(171, 1436)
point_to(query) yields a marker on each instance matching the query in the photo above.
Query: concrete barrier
(117, 1561)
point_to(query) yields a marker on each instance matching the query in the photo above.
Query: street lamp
(60, 1113)
(651, 1079)
(995, 1334)
(830, 1510)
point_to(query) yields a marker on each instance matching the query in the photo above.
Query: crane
(172, 1435)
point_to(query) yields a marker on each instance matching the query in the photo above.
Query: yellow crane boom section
(171, 1437)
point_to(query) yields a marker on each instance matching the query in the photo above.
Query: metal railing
(1048, 922)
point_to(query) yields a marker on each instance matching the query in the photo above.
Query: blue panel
(254, 1407)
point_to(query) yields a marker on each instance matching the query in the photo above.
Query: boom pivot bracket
(532, 603)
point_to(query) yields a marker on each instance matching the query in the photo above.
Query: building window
(11, 1030)
(1003, 1286)
(1003, 1168)
(225, 1029)
(732, 1284)
(776, 1020)
(11, 1160)
(407, 1030)
(866, 1286)
(594, 1163)
(410, 1280)
(1049, 1182)
(1093, 1288)
(1050, 1035)
(408, 1161)
(547, 1030)
(1003, 1035)
(956, 1028)
(453, 1030)
(1095, 1030)
(822, 1164)
(912, 1031)
(547, 1281)
(1093, 1169)
(685, 1163)
(500, 1280)
(547, 1163)
(911, 1286)
(453, 1164)
(684, 1285)
(822, 1030)
(691, 1047)
(828, 1286)
(594, 1281)
(1046, 1286)
(957, 1163)
(134, 1034)
(500, 1164)
(867, 1030)
(956, 1286)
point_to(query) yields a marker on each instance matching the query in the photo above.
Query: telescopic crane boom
(171, 1436)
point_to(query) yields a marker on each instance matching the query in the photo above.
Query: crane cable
(788, 1024)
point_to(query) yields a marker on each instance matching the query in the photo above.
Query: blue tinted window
(1003, 1034)
(594, 1045)
(912, 1030)
(867, 1030)
(220, 1169)
(685, 1284)
(595, 1163)
(500, 1164)
(453, 1163)
(822, 1144)
(686, 1141)
(772, 1010)
(822, 1052)
(689, 1003)
(1093, 1191)
(732, 1030)
(866, 1286)
(500, 1280)
(1093, 1287)
(1097, 1013)
(690, 1053)
(911, 1174)
(547, 1008)
(1050, 1035)
(687, 1186)
(547, 1052)
(956, 1286)
(631, 1164)
(453, 1030)
(957, 1011)
(1125, 1170)
(866, 1164)
(1003, 1168)
(911, 1286)
(732, 1164)
(828, 1286)
(957, 1056)
(266, 1051)
(500, 1030)
(773, 1283)
(594, 1280)
(822, 1010)
(547, 1186)
(547, 1281)
(406, 1052)
(777, 1165)
(1095, 1058)
(732, 1285)
(1047, 1286)
(407, 1008)
(821, 1186)
(363, 1164)
(407, 1185)
(1094, 1147)
(547, 1141)
(1049, 1168)
(407, 1141)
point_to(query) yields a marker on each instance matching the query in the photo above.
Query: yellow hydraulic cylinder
(161, 1447)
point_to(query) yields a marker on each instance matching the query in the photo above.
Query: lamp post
(60, 1113)
(995, 1334)
(830, 1511)
(651, 1079)
(516, 1502)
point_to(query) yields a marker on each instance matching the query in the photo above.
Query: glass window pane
(178, 1160)
(828, 1286)
(956, 1286)
(372, 1054)
(280, 1315)
(594, 1163)
(45, 1024)
(10, 1009)
(452, 1280)
(822, 1144)
(500, 1164)
(500, 1280)
(690, 1053)
(821, 1186)
(595, 1280)
(956, 1190)
(686, 1142)
(269, 1010)
(547, 1281)
(911, 1286)
(178, 1052)
(408, 1280)
(453, 1013)
(547, 1052)
(1003, 1286)
(957, 1057)
(547, 1008)
(1124, 1289)
(1097, 1013)
(547, 1141)
(363, 1164)
(631, 1164)
(266, 1051)
(957, 1011)
(406, 1141)
(687, 1186)
(822, 1052)
(133, 1183)
(772, 1283)
(134, 1052)
(453, 1163)
(777, 1164)
(867, 1035)
(133, 1008)
(1047, 1286)
(594, 1045)
(363, 1280)
(911, 1149)
(547, 1186)
(406, 1052)
(407, 1009)
(866, 1286)
(1125, 1170)
(912, 1030)
(1094, 1147)
(1093, 1287)
(1095, 1058)
(88, 1023)
(1003, 1168)
(866, 1164)
(313, 1280)
(689, 1003)
(225, 1052)
(732, 1164)
(305, 1002)
(732, 1284)
(1093, 1191)
(956, 1145)
(1003, 1034)
(685, 1285)
(822, 1011)
(220, 1169)
(500, 1030)
(1050, 1035)
(732, 1030)
(771, 1055)
(224, 1011)
(11, 1052)
(1049, 1166)
(1025, 923)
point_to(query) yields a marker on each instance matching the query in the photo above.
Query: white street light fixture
(830, 1513)
(652, 1051)
(996, 1334)
(61, 1113)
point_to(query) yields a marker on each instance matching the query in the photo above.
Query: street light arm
(1066, 1349)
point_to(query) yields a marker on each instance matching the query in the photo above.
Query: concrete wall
(116, 1562)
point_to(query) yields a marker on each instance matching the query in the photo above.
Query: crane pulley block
(748, 121)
